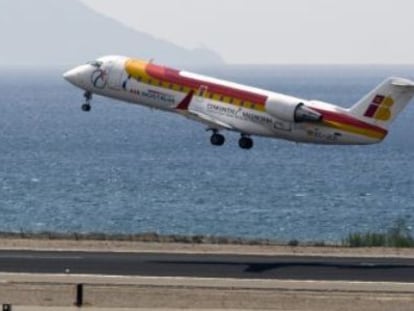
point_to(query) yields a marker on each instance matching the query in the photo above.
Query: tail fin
(381, 105)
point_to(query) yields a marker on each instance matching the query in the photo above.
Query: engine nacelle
(291, 110)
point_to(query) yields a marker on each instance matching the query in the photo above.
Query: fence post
(79, 295)
(7, 307)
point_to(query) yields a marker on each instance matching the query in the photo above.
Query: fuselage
(221, 104)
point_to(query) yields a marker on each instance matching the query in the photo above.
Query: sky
(278, 31)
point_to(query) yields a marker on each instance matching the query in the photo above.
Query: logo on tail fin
(380, 108)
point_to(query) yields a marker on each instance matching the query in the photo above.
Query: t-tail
(382, 105)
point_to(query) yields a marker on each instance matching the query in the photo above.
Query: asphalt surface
(222, 266)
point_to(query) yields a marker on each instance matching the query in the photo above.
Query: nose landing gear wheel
(87, 105)
(217, 139)
(245, 142)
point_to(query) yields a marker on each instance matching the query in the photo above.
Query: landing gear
(217, 139)
(245, 142)
(87, 105)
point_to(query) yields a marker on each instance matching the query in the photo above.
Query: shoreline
(143, 237)
(90, 245)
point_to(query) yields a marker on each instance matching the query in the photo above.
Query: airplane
(222, 105)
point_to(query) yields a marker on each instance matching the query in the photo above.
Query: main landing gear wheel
(217, 139)
(87, 105)
(245, 142)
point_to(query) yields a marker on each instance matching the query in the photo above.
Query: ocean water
(126, 169)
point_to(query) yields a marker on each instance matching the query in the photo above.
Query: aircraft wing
(214, 123)
(184, 108)
(185, 103)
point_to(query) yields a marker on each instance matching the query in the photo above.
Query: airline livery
(222, 105)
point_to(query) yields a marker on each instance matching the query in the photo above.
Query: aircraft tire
(217, 139)
(86, 107)
(245, 142)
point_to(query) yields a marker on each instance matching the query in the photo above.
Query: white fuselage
(113, 78)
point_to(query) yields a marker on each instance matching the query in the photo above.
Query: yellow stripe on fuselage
(355, 130)
(137, 70)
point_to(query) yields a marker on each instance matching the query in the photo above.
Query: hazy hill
(65, 32)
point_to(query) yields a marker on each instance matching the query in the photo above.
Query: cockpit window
(95, 63)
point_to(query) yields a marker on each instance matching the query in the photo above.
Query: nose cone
(78, 76)
(72, 76)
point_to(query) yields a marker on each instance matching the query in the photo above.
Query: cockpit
(95, 63)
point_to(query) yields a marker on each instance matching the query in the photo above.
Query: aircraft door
(200, 98)
(202, 91)
(115, 74)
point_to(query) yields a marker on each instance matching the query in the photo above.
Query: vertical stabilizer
(380, 106)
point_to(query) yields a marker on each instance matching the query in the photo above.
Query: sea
(127, 169)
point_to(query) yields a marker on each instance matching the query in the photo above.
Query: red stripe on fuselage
(348, 120)
(173, 76)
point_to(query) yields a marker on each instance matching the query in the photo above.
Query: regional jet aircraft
(222, 105)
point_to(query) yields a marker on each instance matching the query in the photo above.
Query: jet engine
(291, 111)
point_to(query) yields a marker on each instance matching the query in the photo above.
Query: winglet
(183, 105)
(402, 82)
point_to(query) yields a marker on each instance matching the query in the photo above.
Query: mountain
(47, 33)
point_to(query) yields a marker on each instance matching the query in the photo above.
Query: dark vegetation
(140, 237)
(398, 235)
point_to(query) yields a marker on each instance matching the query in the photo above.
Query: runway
(210, 266)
